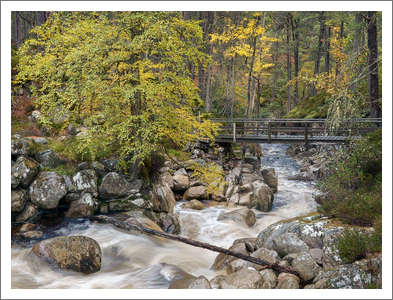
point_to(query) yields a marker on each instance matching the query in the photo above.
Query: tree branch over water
(141, 229)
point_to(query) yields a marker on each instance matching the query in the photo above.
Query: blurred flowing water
(137, 261)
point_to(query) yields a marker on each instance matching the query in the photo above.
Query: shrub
(356, 244)
(354, 189)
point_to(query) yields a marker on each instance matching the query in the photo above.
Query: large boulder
(266, 237)
(70, 253)
(115, 186)
(288, 243)
(47, 189)
(312, 234)
(23, 172)
(48, 158)
(241, 215)
(196, 192)
(18, 199)
(85, 181)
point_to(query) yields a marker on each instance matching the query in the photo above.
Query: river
(136, 261)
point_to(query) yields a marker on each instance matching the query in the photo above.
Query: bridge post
(306, 133)
(269, 132)
(234, 132)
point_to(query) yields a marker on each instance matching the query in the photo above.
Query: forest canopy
(138, 79)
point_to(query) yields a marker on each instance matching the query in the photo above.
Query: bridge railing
(308, 128)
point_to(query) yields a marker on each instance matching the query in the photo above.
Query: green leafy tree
(123, 75)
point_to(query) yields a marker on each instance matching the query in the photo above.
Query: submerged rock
(242, 215)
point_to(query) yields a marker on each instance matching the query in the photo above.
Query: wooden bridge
(292, 131)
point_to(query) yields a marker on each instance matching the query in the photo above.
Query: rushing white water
(136, 261)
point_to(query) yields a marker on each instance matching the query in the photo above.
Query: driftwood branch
(141, 229)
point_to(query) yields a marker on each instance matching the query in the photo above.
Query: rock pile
(305, 246)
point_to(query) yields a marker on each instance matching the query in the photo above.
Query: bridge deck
(292, 130)
(287, 139)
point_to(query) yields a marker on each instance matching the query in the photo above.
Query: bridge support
(234, 132)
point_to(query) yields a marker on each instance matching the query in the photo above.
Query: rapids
(136, 261)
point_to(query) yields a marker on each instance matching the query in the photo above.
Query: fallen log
(141, 229)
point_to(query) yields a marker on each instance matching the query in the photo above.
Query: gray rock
(242, 279)
(289, 243)
(343, 277)
(266, 237)
(100, 169)
(48, 159)
(287, 281)
(47, 189)
(305, 265)
(126, 204)
(270, 279)
(267, 255)
(263, 197)
(222, 260)
(254, 161)
(21, 146)
(194, 204)
(18, 199)
(85, 181)
(199, 283)
(215, 282)
(241, 215)
(312, 234)
(270, 178)
(180, 182)
(83, 166)
(70, 253)
(163, 199)
(196, 192)
(35, 115)
(115, 186)
(317, 255)
(23, 172)
(83, 207)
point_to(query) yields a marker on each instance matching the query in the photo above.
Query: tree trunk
(250, 104)
(40, 17)
(136, 226)
(319, 49)
(295, 26)
(289, 68)
(327, 49)
(372, 42)
(208, 103)
(18, 29)
(358, 44)
(338, 65)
